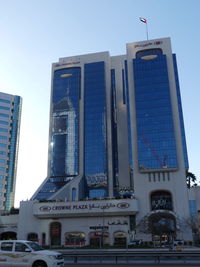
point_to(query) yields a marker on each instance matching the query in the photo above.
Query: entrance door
(55, 234)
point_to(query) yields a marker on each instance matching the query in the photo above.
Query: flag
(143, 20)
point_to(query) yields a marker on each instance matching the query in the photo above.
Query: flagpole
(147, 31)
(145, 21)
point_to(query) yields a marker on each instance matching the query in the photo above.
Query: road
(130, 265)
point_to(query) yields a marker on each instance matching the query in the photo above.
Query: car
(135, 242)
(178, 242)
(25, 253)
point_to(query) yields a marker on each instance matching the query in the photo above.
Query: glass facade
(153, 122)
(128, 116)
(114, 132)
(13, 146)
(64, 158)
(155, 128)
(65, 122)
(180, 113)
(95, 136)
(193, 208)
(9, 139)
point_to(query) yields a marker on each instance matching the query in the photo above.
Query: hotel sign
(148, 44)
(62, 209)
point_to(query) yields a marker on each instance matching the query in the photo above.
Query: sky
(36, 33)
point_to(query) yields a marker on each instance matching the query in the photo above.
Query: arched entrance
(120, 239)
(8, 235)
(163, 228)
(55, 234)
(99, 238)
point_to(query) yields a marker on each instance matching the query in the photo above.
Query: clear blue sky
(35, 33)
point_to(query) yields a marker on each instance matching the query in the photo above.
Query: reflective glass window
(95, 134)
(193, 207)
(4, 122)
(180, 114)
(3, 137)
(155, 128)
(74, 194)
(4, 108)
(128, 115)
(97, 193)
(4, 115)
(13, 149)
(3, 145)
(65, 122)
(5, 101)
(147, 52)
(114, 130)
(3, 130)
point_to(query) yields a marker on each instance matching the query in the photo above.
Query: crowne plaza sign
(67, 208)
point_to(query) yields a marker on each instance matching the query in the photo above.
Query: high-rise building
(116, 130)
(10, 115)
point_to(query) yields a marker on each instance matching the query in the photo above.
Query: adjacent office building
(10, 115)
(117, 135)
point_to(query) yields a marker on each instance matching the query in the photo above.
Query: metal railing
(129, 257)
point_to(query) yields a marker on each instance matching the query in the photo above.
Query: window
(4, 122)
(4, 115)
(3, 130)
(4, 108)
(73, 194)
(7, 246)
(161, 200)
(74, 238)
(2, 160)
(146, 52)
(3, 145)
(3, 137)
(20, 247)
(5, 101)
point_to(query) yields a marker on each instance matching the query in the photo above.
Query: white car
(23, 253)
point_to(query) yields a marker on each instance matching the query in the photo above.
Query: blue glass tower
(113, 122)
(10, 116)
(95, 136)
(155, 128)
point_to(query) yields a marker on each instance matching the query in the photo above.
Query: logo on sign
(123, 205)
(45, 208)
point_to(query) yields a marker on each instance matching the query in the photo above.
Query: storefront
(75, 224)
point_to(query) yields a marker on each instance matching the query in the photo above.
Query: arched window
(8, 236)
(55, 233)
(74, 194)
(161, 200)
(74, 239)
(147, 52)
(120, 238)
(99, 238)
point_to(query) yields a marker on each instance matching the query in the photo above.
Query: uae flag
(143, 20)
